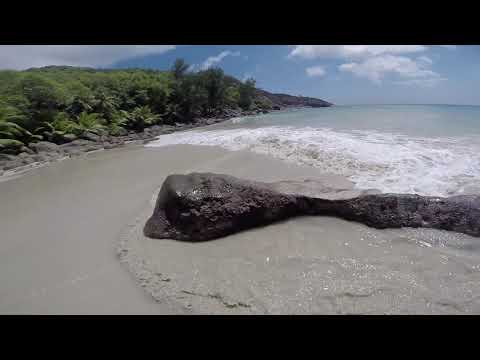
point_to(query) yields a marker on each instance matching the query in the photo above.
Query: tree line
(55, 103)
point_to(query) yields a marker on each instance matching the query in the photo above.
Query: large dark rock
(80, 146)
(7, 157)
(205, 206)
(44, 146)
(90, 136)
(200, 207)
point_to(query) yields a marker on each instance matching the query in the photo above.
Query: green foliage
(214, 83)
(263, 102)
(116, 125)
(140, 118)
(60, 100)
(188, 98)
(60, 125)
(105, 105)
(9, 129)
(232, 96)
(10, 144)
(89, 122)
(79, 104)
(246, 94)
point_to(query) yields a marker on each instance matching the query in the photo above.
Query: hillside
(285, 100)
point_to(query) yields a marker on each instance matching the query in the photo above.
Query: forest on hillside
(58, 102)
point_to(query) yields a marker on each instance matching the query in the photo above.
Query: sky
(341, 74)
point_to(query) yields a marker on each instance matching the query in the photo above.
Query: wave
(388, 162)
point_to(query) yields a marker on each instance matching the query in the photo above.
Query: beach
(239, 180)
(72, 244)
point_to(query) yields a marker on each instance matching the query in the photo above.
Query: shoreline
(13, 166)
(303, 265)
(69, 234)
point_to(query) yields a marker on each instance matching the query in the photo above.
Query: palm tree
(115, 125)
(79, 104)
(8, 128)
(90, 123)
(11, 130)
(106, 105)
(141, 117)
(61, 125)
(214, 83)
(179, 68)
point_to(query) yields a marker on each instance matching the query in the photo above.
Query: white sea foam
(388, 162)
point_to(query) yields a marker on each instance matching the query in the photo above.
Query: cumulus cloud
(375, 62)
(351, 51)
(212, 60)
(377, 67)
(26, 56)
(315, 71)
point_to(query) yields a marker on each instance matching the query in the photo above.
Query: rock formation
(206, 206)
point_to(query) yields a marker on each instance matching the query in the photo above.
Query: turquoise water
(416, 120)
(423, 149)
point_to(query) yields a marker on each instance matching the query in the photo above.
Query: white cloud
(25, 56)
(375, 69)
(375, 62)
(247, 76)
(425, 59)
(212, 60)
(315, 71)
(351, 51)
(193, 68)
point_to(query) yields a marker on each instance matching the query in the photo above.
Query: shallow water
(428, 150)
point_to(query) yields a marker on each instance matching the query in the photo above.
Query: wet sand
(64, 228)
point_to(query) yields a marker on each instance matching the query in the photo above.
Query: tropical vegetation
(57, 102)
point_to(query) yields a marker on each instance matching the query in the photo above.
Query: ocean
(420, 149)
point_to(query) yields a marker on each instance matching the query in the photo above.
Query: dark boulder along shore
(206, 206)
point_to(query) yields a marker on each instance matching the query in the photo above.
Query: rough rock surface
(205, 206)
(45, 146)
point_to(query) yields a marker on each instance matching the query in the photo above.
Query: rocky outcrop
(285, 100)
(205, 206)
(45, 146)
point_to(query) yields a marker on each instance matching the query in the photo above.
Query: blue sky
(342, 74)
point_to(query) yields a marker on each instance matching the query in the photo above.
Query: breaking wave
(388, 162)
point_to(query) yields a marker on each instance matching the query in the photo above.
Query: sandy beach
(72, 243)
(60, 226)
